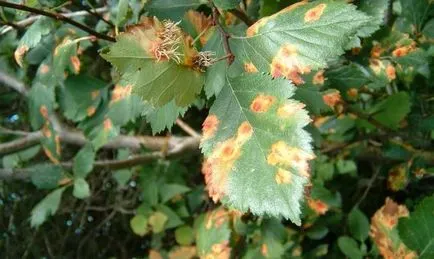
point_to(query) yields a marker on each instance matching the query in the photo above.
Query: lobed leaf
(255, 147)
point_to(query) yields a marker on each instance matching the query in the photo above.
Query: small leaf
(122, 12)
(416, 231)
(41, 104)
(164, 117)
(157, 221)
(46, 176)
(83, 161)
(65, 57)
(184, 235)
(346, 166)
(171, 9)
(46, 207)
(358, 224)
(125, 109)
(173, 220)
(171, 190)
(392, 110)
(81, 189)
(349, 247)
(139, 225)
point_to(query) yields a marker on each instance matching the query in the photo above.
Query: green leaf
(312, 97)
(417, 11)
(46, 176)
(184, 235)
(171, 9)
(376, 9)
(317, 232)
(227, 4)
(249, 128)
(125, 110)
(300, 38)
(213, 229)
(416, 231)
(274, 235)
(156, 80)
(358, 224)
(83, 161)
(51, 142)
(65, 58)
(41, 103)
(139, 225)
(173, 220)
(157, 221)
(349, 76)
(122, 12)
(168, 191)
(46, 207)
(428, 29)
(349, 247)
(392, 110)
(81, 96)
(81, 188)
(215, 77)
(346, 166)
(33, 36)
(164, 117)
(14, 160)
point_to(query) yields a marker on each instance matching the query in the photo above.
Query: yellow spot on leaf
(353, 93)
(245, 131)
(332, 99)
(283, 176)
(376, 65)
(50, 156)
(376, 51)
(46, 131)
(76, 64)
(44, 111)
(120, 92)
(318, 78)
(250, 68)
(183, 252)
(219, 251)
(383, 224)
(94, 94)
(201, 24)
(289, 109)
(315, 13)
(108, 125)
(44, 69)
(264, 250)
(283, 155)
(402, 51)
(318, 206)
(262, 103)
(90, 111)
(209, 126)
(287, 64)
(390, 72)
(19, 53)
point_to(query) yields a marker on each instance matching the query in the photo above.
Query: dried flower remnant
(167, 46)
(318, 206)
(203, 60)
(332, 99)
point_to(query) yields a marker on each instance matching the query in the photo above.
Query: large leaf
(377, 10)
(417, 11)
(164, 117)
(41, 104)
(417, 230)
(172, 9)
(392, 110)
(46, 176)
(256, 150)
(300, 38)
(47, 207)
(151, 68)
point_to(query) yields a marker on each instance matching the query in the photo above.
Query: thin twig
(185, 127)
(226, 36)
(370, 184)
(92, 11)
(13, 83)
(59, 17)
(32, 19)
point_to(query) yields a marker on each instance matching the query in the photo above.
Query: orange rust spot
(90, 111)
(94, 94)
(201, 24)
(57, 142)
(219, 251)
(376, 51)
(50, 156)
(46, 131)
(264, 250)
(283, 155)
(287, 64)
(356, 51)
(262, 103)
(391, 72)
(209, 126)
(289, 109)
(376, 65)
(44, 111)
(45, 69)
(153, 254)
(19, 53)
(318, 206)
(120, 92)
(76, 64)
(402, 51)
(283, 176)
(216, 218)
(318, 78)
(250, 68)
(108, 125)
(315, 13)
(245, 131)
(353, 93)
(332, 99)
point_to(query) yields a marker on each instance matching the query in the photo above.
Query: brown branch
(32, 19)
(185, 127)
(59, 17)
(92, 12)
(242, 16)
(13, 83)
(226, 36)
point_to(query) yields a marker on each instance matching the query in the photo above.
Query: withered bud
(204, 59)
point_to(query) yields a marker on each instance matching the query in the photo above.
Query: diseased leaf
(299, 38)
(377, 10)
(416, 231)
(213, 232)
(139, 225)
(65, 58)
(158, 61)
(157, 221)
(51, 142)
(417, 11)
(46, 207)
(215, 77)
(125, 109)
(384, 230)
(46, 176)
(83, 161)
(312, 97)
(164, 117)
(184, 235)
(81, 96)
(41, 104)
(251, 140)
(32, 37)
